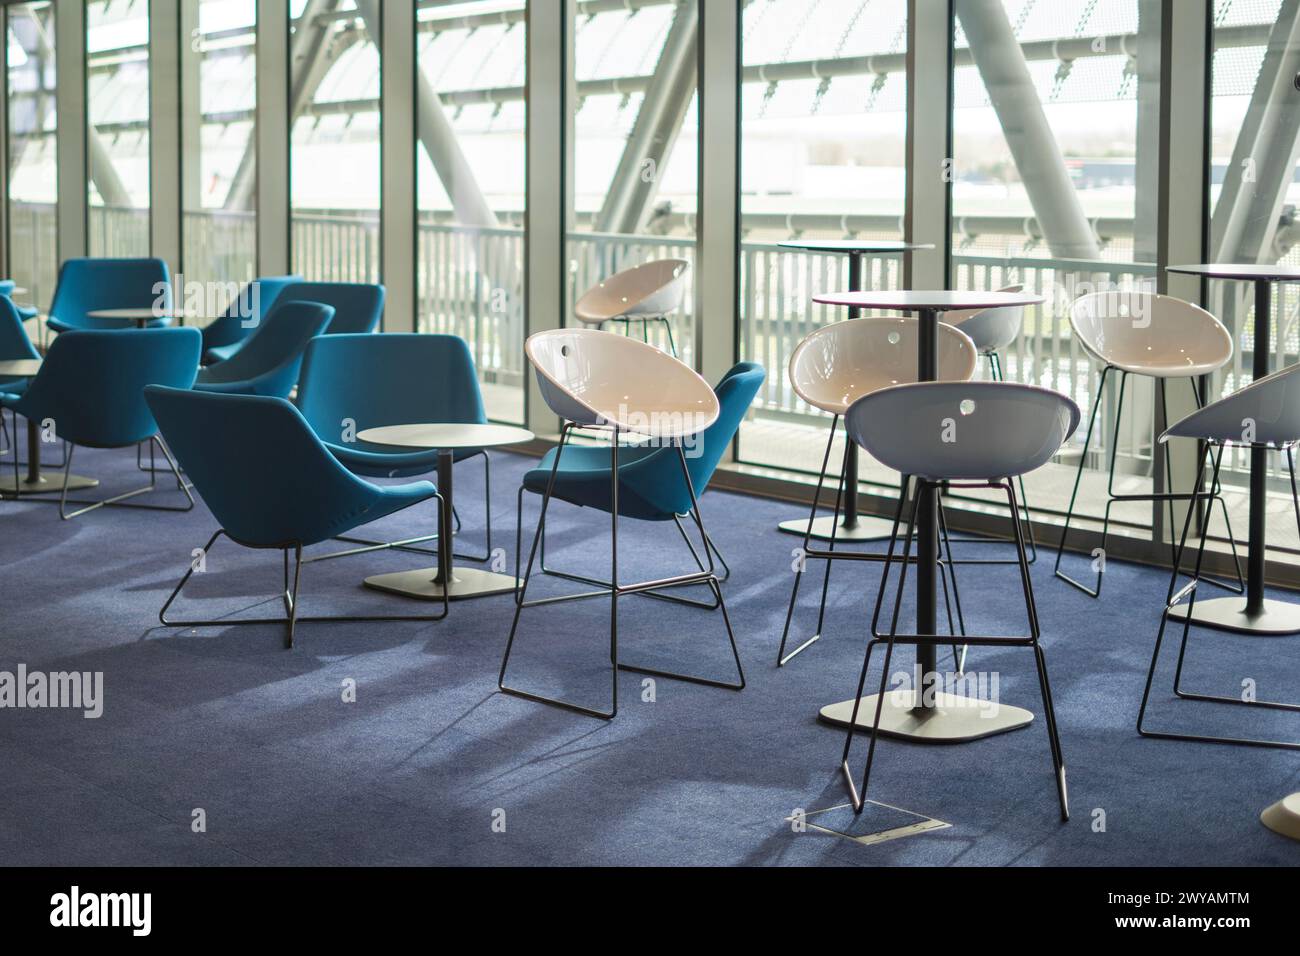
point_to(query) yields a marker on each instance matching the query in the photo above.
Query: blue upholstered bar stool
(623, 388)
(290, 494)
(946, 435)
(1263, 415)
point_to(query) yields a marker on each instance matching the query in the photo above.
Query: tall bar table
(933, 715)
(34, 483)
(852, 527)
(1255, 614)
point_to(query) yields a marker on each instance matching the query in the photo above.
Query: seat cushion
(583, 479)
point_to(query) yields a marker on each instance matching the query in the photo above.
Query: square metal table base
(1277, 619)
(954, 720)
(868, 528)
(833, 818)
(48, 483)
(465, 583)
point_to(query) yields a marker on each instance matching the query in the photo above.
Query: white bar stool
(650, 292)
(831, 369)
(945, 434)
(1160, 337)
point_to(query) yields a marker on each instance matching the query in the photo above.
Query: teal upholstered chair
(297, 494)
(223, 336)
(268, 361)
(91, 386)
(86, 285)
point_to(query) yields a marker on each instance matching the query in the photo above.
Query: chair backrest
(837, 364)
(277, 345)
(289, 489)
(657, 478)
(14, 342)
(88, 284)
(991, 329)
(358, 306)
(389, 379)
(962, 430)
(599, 378)
(1265, 412)
(246, 311)
(92, 382)
(652, 288)
(1126, 327)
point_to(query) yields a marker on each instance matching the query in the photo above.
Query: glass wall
(823, 136)
(634, 154)
(334, 147)
(1054, 180)
(117, 144)
(218, 161)
(1254, 190)
(470, 243)
(33, 172)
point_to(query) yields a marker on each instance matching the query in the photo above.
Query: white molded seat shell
(1266, 412)
(592, 377)
(838, 364)
(1148, 334)
(991, 329)
(963, 431)
(650, 289)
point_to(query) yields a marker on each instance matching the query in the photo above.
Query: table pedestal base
(46, 484)
(955, 720)
(465, 583)
(1229, 614)
(1284, 817)
(867, 528)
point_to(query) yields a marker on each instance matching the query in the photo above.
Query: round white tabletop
(927, 300)
(853, 245)
(1248, 271)
(20, 367)
(447, 581)
(446, 435)
(140, 316)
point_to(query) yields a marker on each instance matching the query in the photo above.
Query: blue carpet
(431, 764)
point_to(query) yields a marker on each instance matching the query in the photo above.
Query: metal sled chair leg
(614, 589)
(289, 598)
(1188, 594)
(120, 500)
(893, 425)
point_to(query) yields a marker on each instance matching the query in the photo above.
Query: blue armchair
(352, 382)
(14, 344)
(269, 361)
(358, 306)
(7, 287)
(301, 495)
(224, 336)
(92, 387)
(88, 284)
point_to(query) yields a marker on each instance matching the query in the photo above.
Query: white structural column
(397, 71)
(717, 294)
(70, 99)
(1181, 225)
(928, 201)
(271, 137)
(165, 132)
(549, 182)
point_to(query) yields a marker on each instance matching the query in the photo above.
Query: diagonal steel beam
(1029, 136)
(1247, 215)
(658, 121)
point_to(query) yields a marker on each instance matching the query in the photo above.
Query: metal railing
(471, 284)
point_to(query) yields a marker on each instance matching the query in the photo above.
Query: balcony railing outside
(471, 285)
